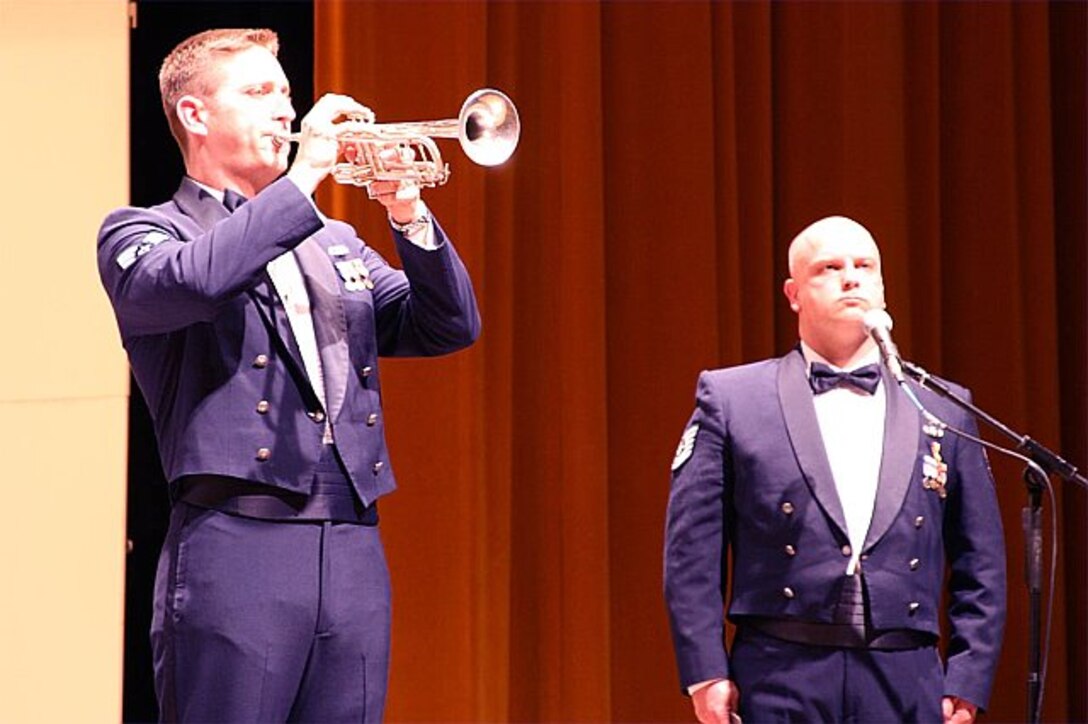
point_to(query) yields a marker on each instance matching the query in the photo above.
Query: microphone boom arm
(1048, 460)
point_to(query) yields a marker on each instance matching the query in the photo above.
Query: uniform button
(260, 361)
(914, 562)
(787, 592)
(919, 520)
(846, 551)
(913, 606)
(378, 467)
(864, 557)
(371, 419)
(262, 406)
(317, 416)
(790, 550)
(787, 508)
(263, 454)
(366, 371)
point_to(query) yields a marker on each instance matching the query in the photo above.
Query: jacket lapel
(265, 295)
(795, 398)
(902, 426)
(330, 322)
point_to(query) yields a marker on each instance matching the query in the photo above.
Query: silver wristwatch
(414, 226)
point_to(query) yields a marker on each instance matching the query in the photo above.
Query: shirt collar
(216, 193)
(811, 356)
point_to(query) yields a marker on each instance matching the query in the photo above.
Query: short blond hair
(185, 69)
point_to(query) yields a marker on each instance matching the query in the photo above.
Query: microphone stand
(1048, 460)
(1041, 463)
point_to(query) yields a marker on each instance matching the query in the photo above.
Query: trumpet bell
(489, 127)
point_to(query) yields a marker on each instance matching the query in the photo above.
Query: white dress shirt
(852, 426)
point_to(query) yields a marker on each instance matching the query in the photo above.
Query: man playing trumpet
(253, 330)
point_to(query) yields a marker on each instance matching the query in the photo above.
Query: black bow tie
(232, 199)
(823, 378)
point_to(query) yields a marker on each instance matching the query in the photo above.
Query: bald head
(835, 278)
(818, 233)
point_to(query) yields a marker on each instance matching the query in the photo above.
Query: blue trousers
(266, 621)
(781, 681)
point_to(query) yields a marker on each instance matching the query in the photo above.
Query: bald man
(841, 510)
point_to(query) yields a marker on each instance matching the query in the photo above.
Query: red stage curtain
(669, 153)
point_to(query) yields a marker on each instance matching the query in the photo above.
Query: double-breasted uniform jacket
(752, 478)
(213, 352)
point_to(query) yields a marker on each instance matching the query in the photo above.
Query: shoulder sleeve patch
(686, 447)
(133, 252)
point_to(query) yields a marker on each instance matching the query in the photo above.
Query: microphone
(878, 325)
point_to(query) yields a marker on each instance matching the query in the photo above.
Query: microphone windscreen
(876, 319)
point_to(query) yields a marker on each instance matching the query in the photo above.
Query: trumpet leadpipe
(390, 132)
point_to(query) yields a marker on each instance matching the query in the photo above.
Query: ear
(193, 115)
(789, 288)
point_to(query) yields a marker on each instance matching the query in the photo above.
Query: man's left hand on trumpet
(401, 198)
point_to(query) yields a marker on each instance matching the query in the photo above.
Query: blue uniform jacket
(752, 478)
(213, 352)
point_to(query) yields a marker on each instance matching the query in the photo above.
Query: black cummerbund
(849, 628)
(332, 497)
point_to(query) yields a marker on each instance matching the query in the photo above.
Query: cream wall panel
(63, 377)
(64, 81)
(63, 543)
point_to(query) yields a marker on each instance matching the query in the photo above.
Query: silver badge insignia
(129, 256)
(686, 447)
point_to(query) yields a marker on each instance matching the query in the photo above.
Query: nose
(850, 277)
(285, 111)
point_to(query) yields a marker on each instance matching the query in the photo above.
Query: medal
(355, 275)
(935, 470)
(933, 430)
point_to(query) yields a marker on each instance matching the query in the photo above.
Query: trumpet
(487, 127)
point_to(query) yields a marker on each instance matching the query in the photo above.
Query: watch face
(412, 226)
